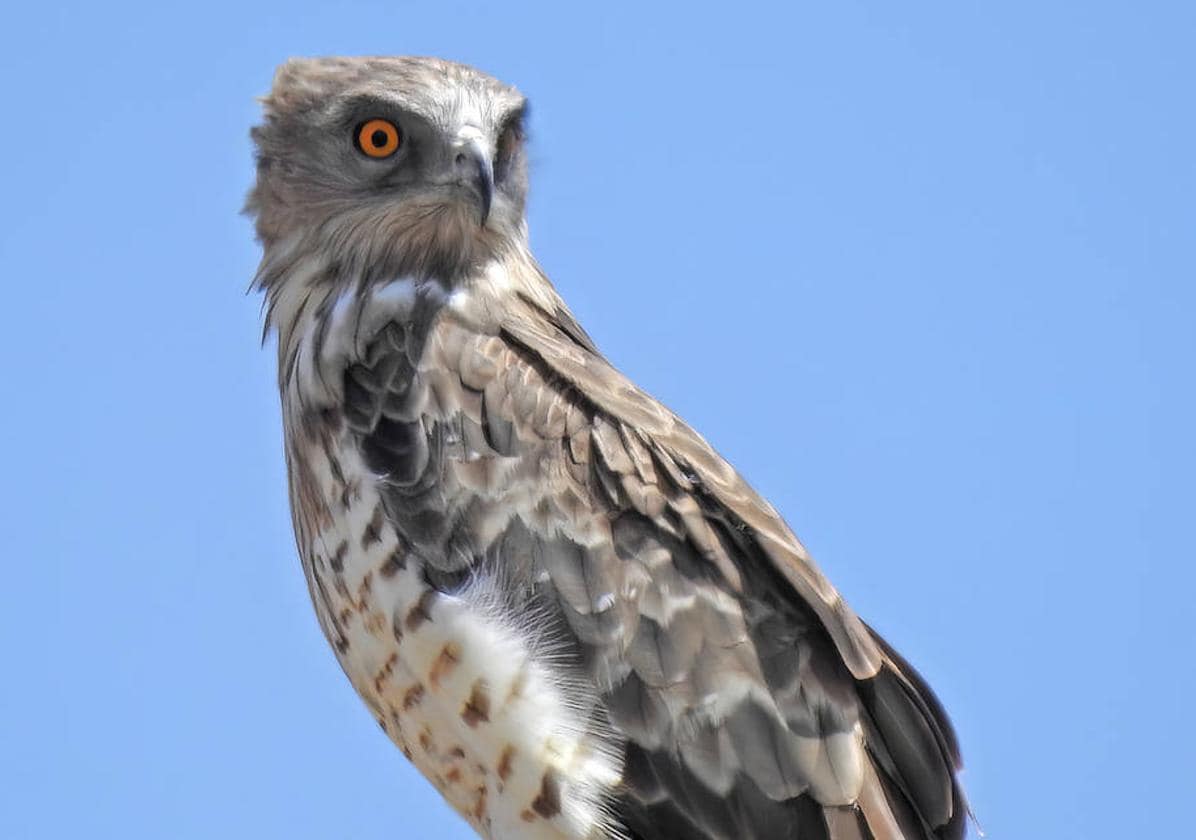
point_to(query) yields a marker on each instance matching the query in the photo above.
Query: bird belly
(461, 687)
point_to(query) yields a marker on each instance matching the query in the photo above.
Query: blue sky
(924, 274)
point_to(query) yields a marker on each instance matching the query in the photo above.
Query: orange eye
(378, 138)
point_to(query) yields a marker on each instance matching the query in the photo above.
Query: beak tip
(487, 190)
(473, 157)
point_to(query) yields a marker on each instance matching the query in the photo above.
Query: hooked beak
(471, 162)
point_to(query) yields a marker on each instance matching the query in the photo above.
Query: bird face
(394, 165)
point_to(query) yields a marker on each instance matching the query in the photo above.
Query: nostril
(462, 158)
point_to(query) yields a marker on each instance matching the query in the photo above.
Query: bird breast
(470, 691)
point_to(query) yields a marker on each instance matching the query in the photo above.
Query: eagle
(572, 615)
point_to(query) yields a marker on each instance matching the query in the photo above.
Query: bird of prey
(565, 608)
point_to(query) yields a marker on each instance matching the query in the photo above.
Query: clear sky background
(923, 272)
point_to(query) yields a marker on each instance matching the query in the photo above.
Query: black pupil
(379, 139)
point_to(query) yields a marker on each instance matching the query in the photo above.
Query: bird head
(391, 166)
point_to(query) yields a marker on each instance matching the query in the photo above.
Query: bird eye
(378, 138)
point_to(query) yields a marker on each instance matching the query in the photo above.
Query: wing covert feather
(750, 700)
(598, 382)
(814, 712)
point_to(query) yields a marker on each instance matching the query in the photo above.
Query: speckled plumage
(570, 613)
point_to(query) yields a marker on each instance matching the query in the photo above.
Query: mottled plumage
(569, 612)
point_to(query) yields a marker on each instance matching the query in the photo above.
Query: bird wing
(751, 701)
(831, 716)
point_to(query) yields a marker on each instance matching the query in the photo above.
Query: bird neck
(306, 282)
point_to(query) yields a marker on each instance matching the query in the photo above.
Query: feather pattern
(503, 449)
(565, 607)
